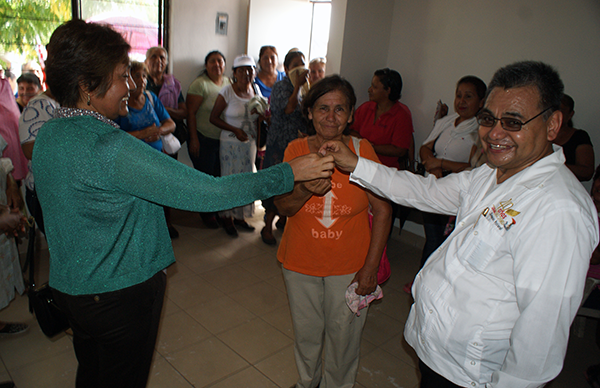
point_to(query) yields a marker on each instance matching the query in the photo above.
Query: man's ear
(553, 125)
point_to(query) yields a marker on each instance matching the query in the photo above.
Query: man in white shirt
(493, 305)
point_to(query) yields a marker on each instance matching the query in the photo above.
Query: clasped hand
(433, 166)
(312, 166)
(345, 159)
(241, 135)
(152, 133)
(432, 163)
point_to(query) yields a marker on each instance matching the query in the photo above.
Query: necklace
(64, 112)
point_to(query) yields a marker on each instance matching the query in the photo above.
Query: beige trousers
(327, 334)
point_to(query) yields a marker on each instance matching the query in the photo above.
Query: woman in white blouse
(449, 147)
(237, 120)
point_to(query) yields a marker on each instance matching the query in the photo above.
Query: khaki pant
(324, 328)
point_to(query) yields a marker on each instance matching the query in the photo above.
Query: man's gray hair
(531, 73)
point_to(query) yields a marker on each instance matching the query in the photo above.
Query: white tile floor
(226, 322)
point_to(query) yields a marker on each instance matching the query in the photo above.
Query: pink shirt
(9, 129)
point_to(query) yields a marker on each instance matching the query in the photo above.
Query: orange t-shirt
(330, 234)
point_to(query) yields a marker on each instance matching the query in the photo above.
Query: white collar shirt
(452, 142)
(493, 304)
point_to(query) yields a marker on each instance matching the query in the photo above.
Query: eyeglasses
(509, 124)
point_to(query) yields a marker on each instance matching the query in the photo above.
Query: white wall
(193, 35)
(335, 47)
(435, 42)
(289, 29)
(366, 41)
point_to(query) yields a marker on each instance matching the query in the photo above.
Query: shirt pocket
(481, 244)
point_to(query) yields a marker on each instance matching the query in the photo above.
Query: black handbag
(51, 319)
(181, 131)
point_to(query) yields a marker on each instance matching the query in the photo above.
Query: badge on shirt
(502, 215)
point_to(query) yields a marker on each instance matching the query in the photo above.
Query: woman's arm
(13, 194)
(215, 118)
(447, 165)
(290, 203)
(148, 134)
(382, 218)
(28, 149)
(434, 165)
(584, 162)
(179, 113)
(426, 155)
(204, 193)
(166, 126)
(193, 102)
(426, 152)
(294, 98)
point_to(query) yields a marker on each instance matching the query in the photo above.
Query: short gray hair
(530, 73)
(153, 49)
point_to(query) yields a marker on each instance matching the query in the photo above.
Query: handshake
(320, 165)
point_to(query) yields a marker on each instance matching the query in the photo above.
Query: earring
(89, 102)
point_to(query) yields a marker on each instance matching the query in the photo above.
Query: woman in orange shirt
(327, 245)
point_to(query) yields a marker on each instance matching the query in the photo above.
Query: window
(141, 22)
(319, 34)
(28, 24)
(288, 24)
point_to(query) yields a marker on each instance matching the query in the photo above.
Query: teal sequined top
(101, 192)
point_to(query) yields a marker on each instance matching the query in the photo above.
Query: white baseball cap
(243, 60)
